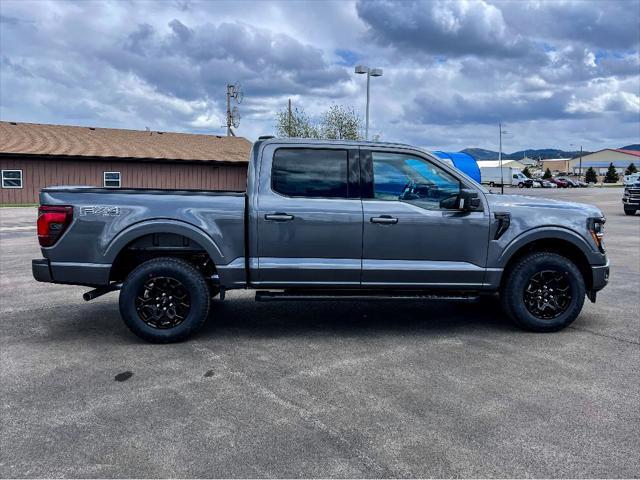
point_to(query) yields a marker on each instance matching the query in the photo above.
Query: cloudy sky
(555, 73)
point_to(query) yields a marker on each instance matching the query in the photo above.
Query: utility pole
(289, 128)
(500, 159)
(233, 115)
(229, 119)
(580, 167)
(580, 171)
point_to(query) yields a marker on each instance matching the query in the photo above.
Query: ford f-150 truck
(323, 220)
(631, 198)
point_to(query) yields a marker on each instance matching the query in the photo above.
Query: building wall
(40, 173)
(556, 165)
(607, 156)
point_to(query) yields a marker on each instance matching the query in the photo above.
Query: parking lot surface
(328, 389)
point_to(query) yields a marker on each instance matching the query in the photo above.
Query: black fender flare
(133, 232)
(548, 233)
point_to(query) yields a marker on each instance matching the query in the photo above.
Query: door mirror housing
(468, 200)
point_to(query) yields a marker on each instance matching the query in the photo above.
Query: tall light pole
(371, 72)
(502, 132)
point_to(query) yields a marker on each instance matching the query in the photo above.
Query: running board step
(268, 296)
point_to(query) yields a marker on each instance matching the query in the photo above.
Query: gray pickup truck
(323, 220)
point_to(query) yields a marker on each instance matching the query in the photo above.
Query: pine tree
(590, 176)
(526, 172)
(547, 174)
(630, 169)
(612, 175)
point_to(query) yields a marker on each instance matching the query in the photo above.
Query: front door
(410, 240)
(309, 218)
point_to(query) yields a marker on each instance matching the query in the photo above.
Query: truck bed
(106, 221)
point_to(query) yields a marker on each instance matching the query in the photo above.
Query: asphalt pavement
(328, 389)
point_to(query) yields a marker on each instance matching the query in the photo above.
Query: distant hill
(635, 146)
(480, 153)
(543, 153)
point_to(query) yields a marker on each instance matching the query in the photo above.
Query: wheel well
(156, 245)
(553, 245)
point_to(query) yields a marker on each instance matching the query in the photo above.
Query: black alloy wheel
(163, 302)
(548, 294)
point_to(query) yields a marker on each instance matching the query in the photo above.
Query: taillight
(52, 222)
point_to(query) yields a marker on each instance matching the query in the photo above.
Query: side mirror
(468, 200)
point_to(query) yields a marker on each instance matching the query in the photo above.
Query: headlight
(596, 229)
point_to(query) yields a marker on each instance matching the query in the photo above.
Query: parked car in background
(560, 183)
(573, 182)
(547, 184)
(631, 198)
(631, 179)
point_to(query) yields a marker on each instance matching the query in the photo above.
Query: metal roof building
(601, 160)
(33, 156)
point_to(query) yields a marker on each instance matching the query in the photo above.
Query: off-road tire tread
(511, 295)
(135, 324)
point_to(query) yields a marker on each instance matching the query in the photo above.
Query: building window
(11, 178)
(111, 179)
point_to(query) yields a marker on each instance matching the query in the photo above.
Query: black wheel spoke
(547, 294)
(163, 302)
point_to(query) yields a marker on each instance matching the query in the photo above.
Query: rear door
(409, 239)
(309, 217)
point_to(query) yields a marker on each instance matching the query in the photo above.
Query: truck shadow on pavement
(246, 317)
(243, 317)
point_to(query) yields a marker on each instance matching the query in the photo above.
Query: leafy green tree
(526, 172)
(630, 169)
(547, 174)
(612, 175)
(341, 123)
(298, 124)
(590, 176)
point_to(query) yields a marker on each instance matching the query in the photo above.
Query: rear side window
(310, 172)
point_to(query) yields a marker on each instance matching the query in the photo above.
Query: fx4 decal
(100, 211)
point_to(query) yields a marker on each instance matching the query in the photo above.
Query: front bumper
(631, 201)
(599, 276)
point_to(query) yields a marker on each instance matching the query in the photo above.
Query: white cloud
(553, 70)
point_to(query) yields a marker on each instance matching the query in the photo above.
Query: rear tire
(543, 292)
(629, 211)
(164, 300)
(521, 185)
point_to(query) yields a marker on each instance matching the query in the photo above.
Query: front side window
(307, 172)
(410, 179)
(112, 179)
(11, 178)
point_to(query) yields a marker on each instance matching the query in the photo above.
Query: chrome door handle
(384, 220)
(278, 217)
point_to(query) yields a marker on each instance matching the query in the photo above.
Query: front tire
(543, 292)
(629, 211)
(164, 300)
